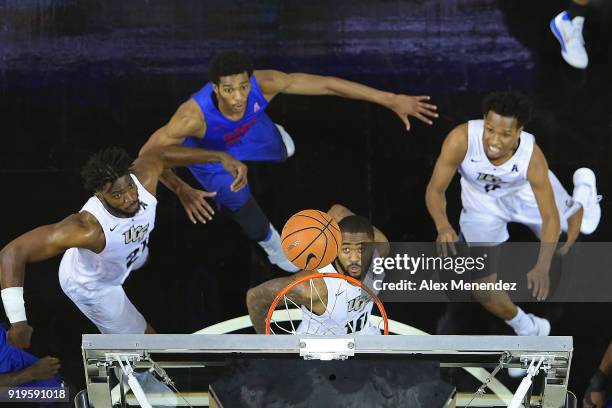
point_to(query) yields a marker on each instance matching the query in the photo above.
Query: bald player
(338, 307)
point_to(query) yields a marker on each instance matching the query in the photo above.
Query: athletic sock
(576, 10)
(272, 246)
(522, 324)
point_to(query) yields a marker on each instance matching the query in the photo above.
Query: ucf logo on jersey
(493, 182)
(135, 234)
(358, 304)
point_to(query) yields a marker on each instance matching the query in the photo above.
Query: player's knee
(252, 220)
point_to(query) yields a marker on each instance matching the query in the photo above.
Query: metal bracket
(327, 349)
(547, 360)
(122, 356)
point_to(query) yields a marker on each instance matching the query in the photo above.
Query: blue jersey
(254, 137)
(13, 359)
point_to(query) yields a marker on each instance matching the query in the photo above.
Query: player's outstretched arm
(338, 212)
(78, 230)
(274, 82)
(43, 369)
(150, 165)
(260, 298)
(537, 174)
(188, 120)
(452, 154)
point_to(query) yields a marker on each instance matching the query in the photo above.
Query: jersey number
(357, 324)
(133, 256)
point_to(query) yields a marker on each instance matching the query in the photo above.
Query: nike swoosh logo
(112, 229)
(339, 293)
(309, 257)
(474, 161)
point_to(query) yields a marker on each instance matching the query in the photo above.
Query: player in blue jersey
(228, 114)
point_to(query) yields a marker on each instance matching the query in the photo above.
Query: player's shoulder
(189, 114)
(80, 227)
(459, 132)
(83, 221)
(456, 143)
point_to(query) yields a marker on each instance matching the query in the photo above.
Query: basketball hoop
(288, 302)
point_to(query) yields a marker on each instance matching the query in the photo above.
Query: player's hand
(20, 334)
(595, 399)
(44, 368)
(539, 282)
(237, 169)
(406, 105)
(446, 241)
(195, 204)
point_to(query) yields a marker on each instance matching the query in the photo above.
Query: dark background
(76, 76)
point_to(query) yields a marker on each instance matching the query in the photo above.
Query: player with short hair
(505, 178)
(228, 114)
(338, 307)
(103, 242)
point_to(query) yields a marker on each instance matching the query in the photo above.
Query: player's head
(355, 254)
(107, 175)
(229, 72)
(505, 114)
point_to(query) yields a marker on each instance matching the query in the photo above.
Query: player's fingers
(429, 112)
(208, 210)
(422, 118)
(529, 283)
(423, 98)
(444, 249)
(203, 205)
(239, 181)
(451, 244)
(207, 194)
(439, 248)
(428, 106)
(190, 215)
(201, 213)
(536, 288)
(404, 119)
(545, 290)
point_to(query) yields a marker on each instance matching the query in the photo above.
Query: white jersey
(478, 174)
(126, 246)
(348, 309)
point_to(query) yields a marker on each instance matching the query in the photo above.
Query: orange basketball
(311, 239)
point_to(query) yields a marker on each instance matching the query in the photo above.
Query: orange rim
(282, 293)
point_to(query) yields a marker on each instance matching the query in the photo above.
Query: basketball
(311, 239)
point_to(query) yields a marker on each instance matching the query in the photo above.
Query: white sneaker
(542, 329)
(542, 325)
(569, 34)
(287, 140)
(585, 193)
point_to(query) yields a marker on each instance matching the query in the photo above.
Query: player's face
(232, 93)
(120, 197)
(355, 255)
(501, 136)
